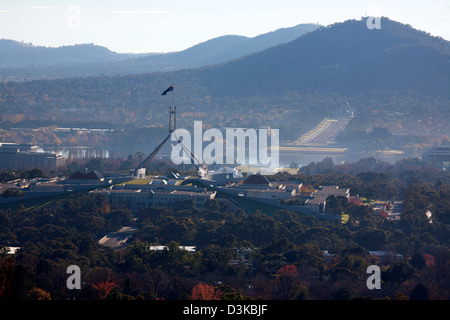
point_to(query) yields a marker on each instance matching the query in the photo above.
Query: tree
(34, 173)
(293, 165)
(104, 288)
(334, 206)
(37, 294)
(97, 164)
(7, 176)
(306, 255)
(343, 294)
(204, 291)
(399, 272)
(371, 239)
(119, 218)
(6, 274)
(228, 293)
(153, 282)
(13, 193)
(212, 204)
(287, 282)
(216, 257)
(420, 292)
(418, 261)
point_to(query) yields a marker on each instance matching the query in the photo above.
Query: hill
(18, 54)
(345, 57)
(262, 42)
(19, 61)
(394, 77)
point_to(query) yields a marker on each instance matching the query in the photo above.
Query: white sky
(171, 25)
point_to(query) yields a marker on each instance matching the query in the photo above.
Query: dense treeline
(132, 105)
(32, 173)
(291, 87)
(368, 177)
(237, 256)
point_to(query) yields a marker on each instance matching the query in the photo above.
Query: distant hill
(345, 57)
(222, 49)
(397, 73)
(195, 55)
(262, 42)
(19, 61)
(18, 54)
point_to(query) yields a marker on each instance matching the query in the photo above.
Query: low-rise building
(75, 183)
(92, 177)
(258, 186)
(317, 204)
(224, 176)
(135, 199)
(162, 248)
(255, 181)
(9, 250)
(437, 154)
(289, 186)
(318, 199)
(268, 193)
(132, 199)
(386, 257)
(26, 156)
(168, 199)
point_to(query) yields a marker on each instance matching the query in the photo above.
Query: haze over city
(238, 150)
(139, 26)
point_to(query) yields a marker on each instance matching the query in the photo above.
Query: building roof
(191, 193)
(316, 200)
(93, 175)
(124, 191)
(256, 179)
(161, 248)
(159, 181)
(173, 175)
(225, 170)
(267, 190)
(10, 250)
(332, 191)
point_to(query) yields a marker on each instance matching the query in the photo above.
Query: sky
(142, 26)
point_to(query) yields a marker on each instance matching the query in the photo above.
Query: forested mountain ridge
(18, 54)
(259, 43)
(21, 61)
(344, 57)
(327, 260)
(293, 86)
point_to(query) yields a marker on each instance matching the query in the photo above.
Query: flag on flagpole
(167, 90)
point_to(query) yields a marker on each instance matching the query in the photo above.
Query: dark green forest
(396, 81)
(282, 255)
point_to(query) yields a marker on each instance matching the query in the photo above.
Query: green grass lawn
(137, 181)
(344, 218)
(31, 204)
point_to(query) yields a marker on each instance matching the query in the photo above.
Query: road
(117, 239)
(396, 211)
(325, 132)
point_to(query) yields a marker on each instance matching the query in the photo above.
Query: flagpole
(172, 123)
(173, 108)
(172, 93)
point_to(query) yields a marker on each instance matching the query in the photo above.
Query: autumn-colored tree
(288, 270)
(104, 288)
(286, 282)
(6, 274)
(203, 291)
(37, 294)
